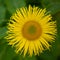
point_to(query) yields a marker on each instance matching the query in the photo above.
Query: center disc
(31, 30)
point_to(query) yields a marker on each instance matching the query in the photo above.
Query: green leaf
(12, 5)
(52, 5)
(21, 57)
(2, 12)
(2, 49)
(30, 58)
(45, 2)
(9, 54)
(3, 32)
(56, 0)
(0, 2)
(53, 8)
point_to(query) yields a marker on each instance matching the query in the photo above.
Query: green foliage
(7, 8)
(53, 8)
(12, 5)
(2, 12)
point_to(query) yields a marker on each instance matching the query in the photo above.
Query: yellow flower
(30, 30)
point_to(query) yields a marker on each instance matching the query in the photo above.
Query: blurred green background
(7, 8)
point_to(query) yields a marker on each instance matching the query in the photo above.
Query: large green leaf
(52, 5)
(12, 5)
(3, 32)
(21, 57)
(2, 49)
(53, 8)
(0, 2)
(2, 14)
(46, 2)
(56, 1)
(8, 54)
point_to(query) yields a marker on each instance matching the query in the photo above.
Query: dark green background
(7, 8)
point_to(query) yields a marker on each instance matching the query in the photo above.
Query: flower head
(30, 30)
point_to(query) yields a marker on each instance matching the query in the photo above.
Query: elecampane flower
(30, 30)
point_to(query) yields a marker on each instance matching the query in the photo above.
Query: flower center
(31, 30)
